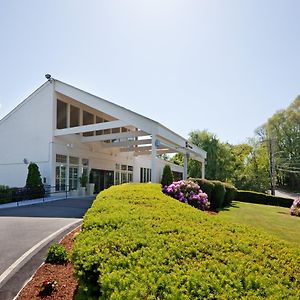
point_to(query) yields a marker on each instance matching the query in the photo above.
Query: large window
(60, 172)
(88, 119)
(73, 172)
(123, 174)
(74, 116)
(61, 121)
(145, 175)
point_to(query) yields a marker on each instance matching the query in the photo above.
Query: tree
(34, 183)
(219, 156)
(284, 128)
(167, 176)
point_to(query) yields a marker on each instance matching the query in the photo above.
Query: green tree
(284, 129)
(219, 156)
(167, 176)
(34, 183)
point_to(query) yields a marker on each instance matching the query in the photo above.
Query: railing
(17, 195)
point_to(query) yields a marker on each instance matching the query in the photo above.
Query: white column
(185, 165)
(203, 169)
(153, 160)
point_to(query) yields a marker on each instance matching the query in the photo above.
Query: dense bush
(137, 243)
(295, 208)
(189, 192)
(230, 194)
(34, 183)
(261, 198)
(217, 195)
(206, 186)
(57, 254)
(167, 176)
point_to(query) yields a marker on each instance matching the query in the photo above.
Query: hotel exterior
(68, 133)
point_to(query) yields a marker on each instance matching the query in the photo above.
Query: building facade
(69, 133)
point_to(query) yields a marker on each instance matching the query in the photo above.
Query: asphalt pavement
(26, 233)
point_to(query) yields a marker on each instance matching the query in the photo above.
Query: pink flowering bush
(295, 208)
(187, 191)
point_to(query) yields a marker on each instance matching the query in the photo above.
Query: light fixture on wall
(48, 77)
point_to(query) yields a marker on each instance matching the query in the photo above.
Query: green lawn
(272, 219)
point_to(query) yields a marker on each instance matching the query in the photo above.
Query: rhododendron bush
(189, 192)
(295, 208)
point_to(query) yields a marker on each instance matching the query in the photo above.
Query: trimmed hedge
(230, 194)
(137, 243)
(261, 198)
(217, 195)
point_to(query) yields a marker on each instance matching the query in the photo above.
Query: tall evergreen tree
(34, 183)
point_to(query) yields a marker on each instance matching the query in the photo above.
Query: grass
(275, 220)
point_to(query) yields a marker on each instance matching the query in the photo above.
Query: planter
(82, 191)
(90, 189)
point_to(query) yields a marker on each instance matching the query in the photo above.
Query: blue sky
(225, 66)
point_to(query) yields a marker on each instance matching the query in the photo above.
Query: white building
(68, 132)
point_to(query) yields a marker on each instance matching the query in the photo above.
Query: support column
(153, 160)
(203, 169)
(185, 165)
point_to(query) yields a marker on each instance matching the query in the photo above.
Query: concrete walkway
(285, 194)
(26, 233)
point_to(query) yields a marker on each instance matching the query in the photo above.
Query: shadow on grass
(227, 208)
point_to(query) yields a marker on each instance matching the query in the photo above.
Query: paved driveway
(24, 231)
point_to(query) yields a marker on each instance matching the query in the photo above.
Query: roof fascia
(25, 101)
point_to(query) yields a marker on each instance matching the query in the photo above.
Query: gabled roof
(165, 136)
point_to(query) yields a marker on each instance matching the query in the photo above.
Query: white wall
(26, 133)
(144, 161)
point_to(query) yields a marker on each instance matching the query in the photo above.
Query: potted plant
(83, 181)
(91, 184)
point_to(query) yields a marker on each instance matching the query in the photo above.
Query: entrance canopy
(116, 127)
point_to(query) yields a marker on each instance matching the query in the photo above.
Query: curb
(13, 279)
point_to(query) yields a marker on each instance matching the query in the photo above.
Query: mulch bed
(63, 274)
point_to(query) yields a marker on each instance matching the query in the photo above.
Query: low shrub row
(137, 243)
(261, 198)
(219, 194)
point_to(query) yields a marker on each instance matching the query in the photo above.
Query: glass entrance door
(103, 179)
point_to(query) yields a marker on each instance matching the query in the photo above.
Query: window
(145, 175)
(117, 177)
(85, 162)
(61, 158)
(74, 116)
(60, 178)
(123, 177)
(61, 115)
(87, 119)
(74, 160)
(99, 120)
(60, 172)
(123, 167)
(115, 130)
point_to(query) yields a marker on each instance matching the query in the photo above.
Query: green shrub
(137, 243)
(57, 254)
(230, 194)
(167, 176)
(206, 186)
(217, 195)
(261, 198)
(34, 185)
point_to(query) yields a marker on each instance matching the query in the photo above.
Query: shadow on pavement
(67, 208)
